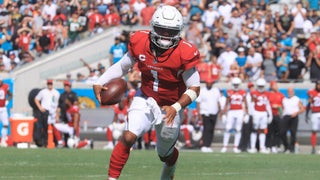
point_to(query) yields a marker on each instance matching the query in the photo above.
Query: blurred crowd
(237, 38)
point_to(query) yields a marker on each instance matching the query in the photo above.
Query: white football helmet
(261, 83)
(235, 82)
(166, 26)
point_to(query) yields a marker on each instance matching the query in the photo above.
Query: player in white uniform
(235, 111)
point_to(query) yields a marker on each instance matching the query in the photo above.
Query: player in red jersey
(71, 127)
(262, 116)
(5, 96)
(235, 111)
(115, 129)
(275, 99)
(169, 82)
(314, 106)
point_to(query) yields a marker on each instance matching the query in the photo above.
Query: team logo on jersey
(142, 57)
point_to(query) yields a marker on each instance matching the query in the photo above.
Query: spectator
(84, 24)
(210, 16)
(94, 19)
(285, 23)
(313, 63)
(138, 5)
(117, 50)
(44, 41)
(130, 17)
(112, 18)
(6, 97)
(253, 64)
(298, 13)
(273, 135)
(208, 108)
(292, 107)
(241, 60)
(226, 59)
(296, 69)
(49, 10)
(74, 27)
(47, 102)
(147, 12)
(268, 68)
(193, 34)
(282, 65)
(61, 34)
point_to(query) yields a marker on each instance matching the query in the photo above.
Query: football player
(5, 97)
(235, 111)
(275, 99)
(262, 116)
(314, 106)
(115, 129)
(169, 82)
(71, 127)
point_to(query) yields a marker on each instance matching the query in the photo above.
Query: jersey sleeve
(190, 55)
(134, 40)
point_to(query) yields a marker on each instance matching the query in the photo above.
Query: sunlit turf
(60, 164)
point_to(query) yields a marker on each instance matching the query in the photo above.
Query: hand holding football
(115, 91)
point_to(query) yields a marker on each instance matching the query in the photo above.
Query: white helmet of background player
(166, 26)
(261, 84)
(236, 82)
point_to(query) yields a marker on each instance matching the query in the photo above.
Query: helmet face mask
(166, 26)
(261, 83)
(236, 83)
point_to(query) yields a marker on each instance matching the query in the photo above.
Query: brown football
(115, 92)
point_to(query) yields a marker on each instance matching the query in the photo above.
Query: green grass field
(66, 164)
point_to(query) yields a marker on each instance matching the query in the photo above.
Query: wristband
(191, 93)
(176, 106)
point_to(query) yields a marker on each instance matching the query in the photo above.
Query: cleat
(236, 150)
(224, 150)
(274, 150)
(264, 151)
(109, 146)
(252, 150)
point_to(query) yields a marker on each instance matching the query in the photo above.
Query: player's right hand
(97, 88)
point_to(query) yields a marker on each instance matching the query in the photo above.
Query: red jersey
(112, 19)
(120, 113)
(70, 114)
(208, 71)
(236, 99)
(94, 19)
(315, 100)
(275, 99)
(260, 100)
(3, 94)
(161, 77)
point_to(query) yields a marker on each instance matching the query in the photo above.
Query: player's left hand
(269, 120)
(170, 114)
